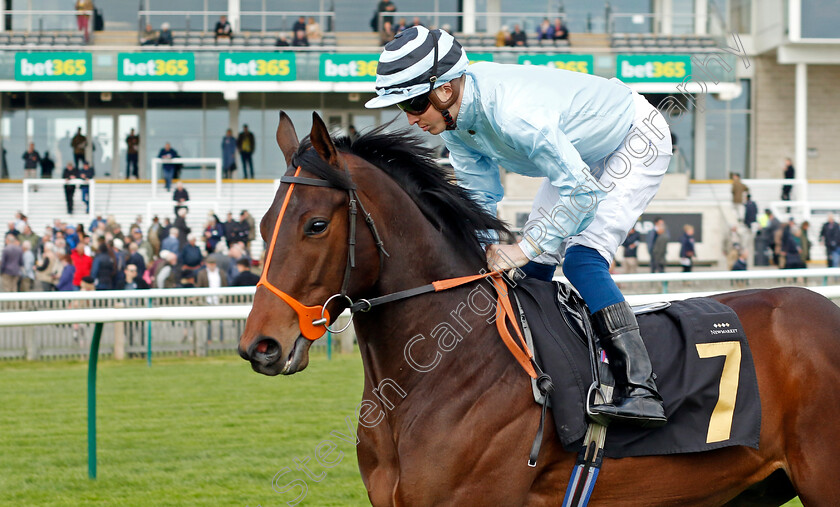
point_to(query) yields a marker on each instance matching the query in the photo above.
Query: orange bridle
(314, 320)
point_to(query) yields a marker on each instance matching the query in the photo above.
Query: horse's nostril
(266, 351)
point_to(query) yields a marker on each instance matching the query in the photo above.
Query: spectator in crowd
(789, 173)
(27, 278)
(149, 37)
(503, 37)
(223, 29)
(79, 145)
(11, 264)
(313, 31)
(82, 264)
(180, 196)
(559, 30)
(300, 24)
(732, 245)
(212, 276)
(245, 278)
(386, 34)
(84, 8)
(31, 159)
(132, 280)
(169, 275)
(741, 263)
(47, 269)
(104, 268)
(116, 232)
(190, 256)
(750, 212)
(228, 154)
(135, 257)
(12, 229)
(659, 248)
(187, 280)
(415, 21)
(167, 153)
(68, 272)
(235, 253)
(400, 26)
(171, 243)
(282, 40)
(299, 38)
(20, 221)
(165, 37)
(26, 234)
(248, 227)
(94, 224)
(518, 38)
(213, 233)
(246, 144)
(544, 31)
(153, 236)
(805, 241)
(231, 227)
(631, 250)
(738, 192)
(132, 143)
(687, 252)
(220, 257)
(86, 174)
(47, 166)
(830, 237)
(769, 231)
(182, 228)
(165, 228)
(792, 246)
(384, 6)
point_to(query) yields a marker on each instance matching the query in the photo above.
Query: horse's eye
(316, 226)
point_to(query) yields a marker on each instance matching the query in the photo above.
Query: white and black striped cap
(407, 65)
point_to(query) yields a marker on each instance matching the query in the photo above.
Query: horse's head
(310, 231)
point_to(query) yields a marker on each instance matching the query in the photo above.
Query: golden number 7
(720, 424)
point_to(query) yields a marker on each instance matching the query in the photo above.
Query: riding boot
(636, 400)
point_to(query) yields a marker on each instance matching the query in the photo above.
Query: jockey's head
(417, 69)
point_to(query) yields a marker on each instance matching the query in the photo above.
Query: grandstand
(745, 84)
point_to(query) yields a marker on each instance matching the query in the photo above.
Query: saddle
(702, 362)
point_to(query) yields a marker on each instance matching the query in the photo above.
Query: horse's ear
(287, 138)
(321, 141)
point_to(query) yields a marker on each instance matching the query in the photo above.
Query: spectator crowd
(104, 256)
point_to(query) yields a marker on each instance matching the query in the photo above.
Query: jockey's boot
(636, 400)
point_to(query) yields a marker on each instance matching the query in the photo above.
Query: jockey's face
(431, 120)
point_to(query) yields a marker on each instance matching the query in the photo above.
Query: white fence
(216, 162)
(30, 184)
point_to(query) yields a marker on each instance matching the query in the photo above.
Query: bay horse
(448, 416)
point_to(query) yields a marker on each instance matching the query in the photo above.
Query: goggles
(415, 105)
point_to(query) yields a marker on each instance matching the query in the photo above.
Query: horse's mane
(403, 157)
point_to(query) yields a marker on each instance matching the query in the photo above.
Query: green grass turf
(196, 431)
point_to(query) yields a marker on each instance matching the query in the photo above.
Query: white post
(155, 162)
(667, 18)
(699, 137)
(26, 197)
(701, 16)
(801, 134)
(218, 178)
(494, 16)
(233, 14)
(92, 200)
(468, 19)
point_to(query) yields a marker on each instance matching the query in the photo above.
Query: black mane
(402, 156)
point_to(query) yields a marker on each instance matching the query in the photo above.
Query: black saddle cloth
(709, 404)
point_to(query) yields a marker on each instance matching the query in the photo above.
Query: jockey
(600, 148)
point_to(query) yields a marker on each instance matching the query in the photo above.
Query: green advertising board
(480, 57)
(652, 68)
(53, 67)
(576, 63)
(348, 67)
(257, 67)
(155, 67)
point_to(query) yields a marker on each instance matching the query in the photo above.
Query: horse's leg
(794, 336)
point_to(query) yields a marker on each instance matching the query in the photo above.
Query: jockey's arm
(480, 175)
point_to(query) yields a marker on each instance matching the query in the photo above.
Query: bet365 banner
(155, 67)
(257, 67)
(348, 67)
(53, 67)
(652, 68)
(576, 63)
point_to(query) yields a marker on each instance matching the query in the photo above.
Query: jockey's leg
(636, 401)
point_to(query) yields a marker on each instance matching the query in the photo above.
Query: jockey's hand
(505, 257)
